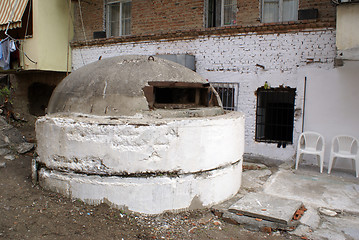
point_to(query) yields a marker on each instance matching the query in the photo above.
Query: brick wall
(160, 16)
(248, 12)
(92, 16)
(156, 16)
(325, 8)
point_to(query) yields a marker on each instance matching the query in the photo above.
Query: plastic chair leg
(297, 160)
(330, 165)
(321, 160)
(357, 167)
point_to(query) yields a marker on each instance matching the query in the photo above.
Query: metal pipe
(304, 97)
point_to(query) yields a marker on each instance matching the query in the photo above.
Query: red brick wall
(161, 16)
(92, 15)
(248, 12)
(155, 16)
(325, 7)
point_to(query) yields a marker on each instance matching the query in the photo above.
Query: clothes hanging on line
(7, 46)
(5, 52)
(12, 46)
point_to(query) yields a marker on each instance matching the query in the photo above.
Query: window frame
(222, 17)
(280, 11)
(108, 4)
(228, 93)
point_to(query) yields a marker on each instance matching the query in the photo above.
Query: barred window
(228, 92)
(275, 115)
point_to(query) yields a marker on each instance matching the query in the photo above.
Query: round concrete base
(149, 195)
(145, 164)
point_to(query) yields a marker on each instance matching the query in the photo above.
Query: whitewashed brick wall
(286, 57)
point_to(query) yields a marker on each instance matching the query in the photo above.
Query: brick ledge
(266, 28)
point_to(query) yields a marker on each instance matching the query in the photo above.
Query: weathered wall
(233, 58)
(348, 31)
(332, 104)
(162, 16)
(92, 17)
(49, 45)
(21, 83)
(182, 146)
(155, 16)
(143, 164)
(348, 27)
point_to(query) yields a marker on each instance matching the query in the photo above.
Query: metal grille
(275, 115)
(228, 92)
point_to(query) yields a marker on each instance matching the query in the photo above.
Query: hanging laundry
(5, 60)
(12, 46)
(15, 57)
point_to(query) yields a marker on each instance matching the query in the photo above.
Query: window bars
(228, 92)
(275, 115)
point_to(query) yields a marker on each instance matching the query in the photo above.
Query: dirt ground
(29, 212)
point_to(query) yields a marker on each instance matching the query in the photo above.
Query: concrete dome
(116, 86)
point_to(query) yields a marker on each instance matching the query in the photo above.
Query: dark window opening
(38, 96)
(214, 14)
(275, 115)
(221, 13)
(176, 95)
(228, 94)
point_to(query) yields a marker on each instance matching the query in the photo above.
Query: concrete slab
(310, 218)
(267, 207)
(252, 224)
(341, 227)
(253, 180)
(315, 189)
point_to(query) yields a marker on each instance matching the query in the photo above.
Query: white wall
(286, 58)
(348, 27)
(332, 104)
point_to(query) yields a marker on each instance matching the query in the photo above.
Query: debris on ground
(327, 212)
(299, 213)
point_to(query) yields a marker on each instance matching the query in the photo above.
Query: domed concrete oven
(140, 133)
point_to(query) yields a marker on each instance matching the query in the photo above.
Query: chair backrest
(311, 140)
(345, 144)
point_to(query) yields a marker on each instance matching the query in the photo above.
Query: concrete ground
(332, 201)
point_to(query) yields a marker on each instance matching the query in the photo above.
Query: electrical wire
(82, 21)
(68, 39)
(83, 30)
(28, 19)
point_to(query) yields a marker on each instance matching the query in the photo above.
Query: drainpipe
(305, 93)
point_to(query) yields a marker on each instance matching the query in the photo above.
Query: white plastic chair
(311, 143)
(344, 147)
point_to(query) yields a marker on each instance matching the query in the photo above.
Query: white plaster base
(95, 145)
(149, 195)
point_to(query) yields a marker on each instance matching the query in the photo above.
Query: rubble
(12, 142)
(24, 147)
(327, 212)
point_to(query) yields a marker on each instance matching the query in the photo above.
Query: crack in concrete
(170, 174)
